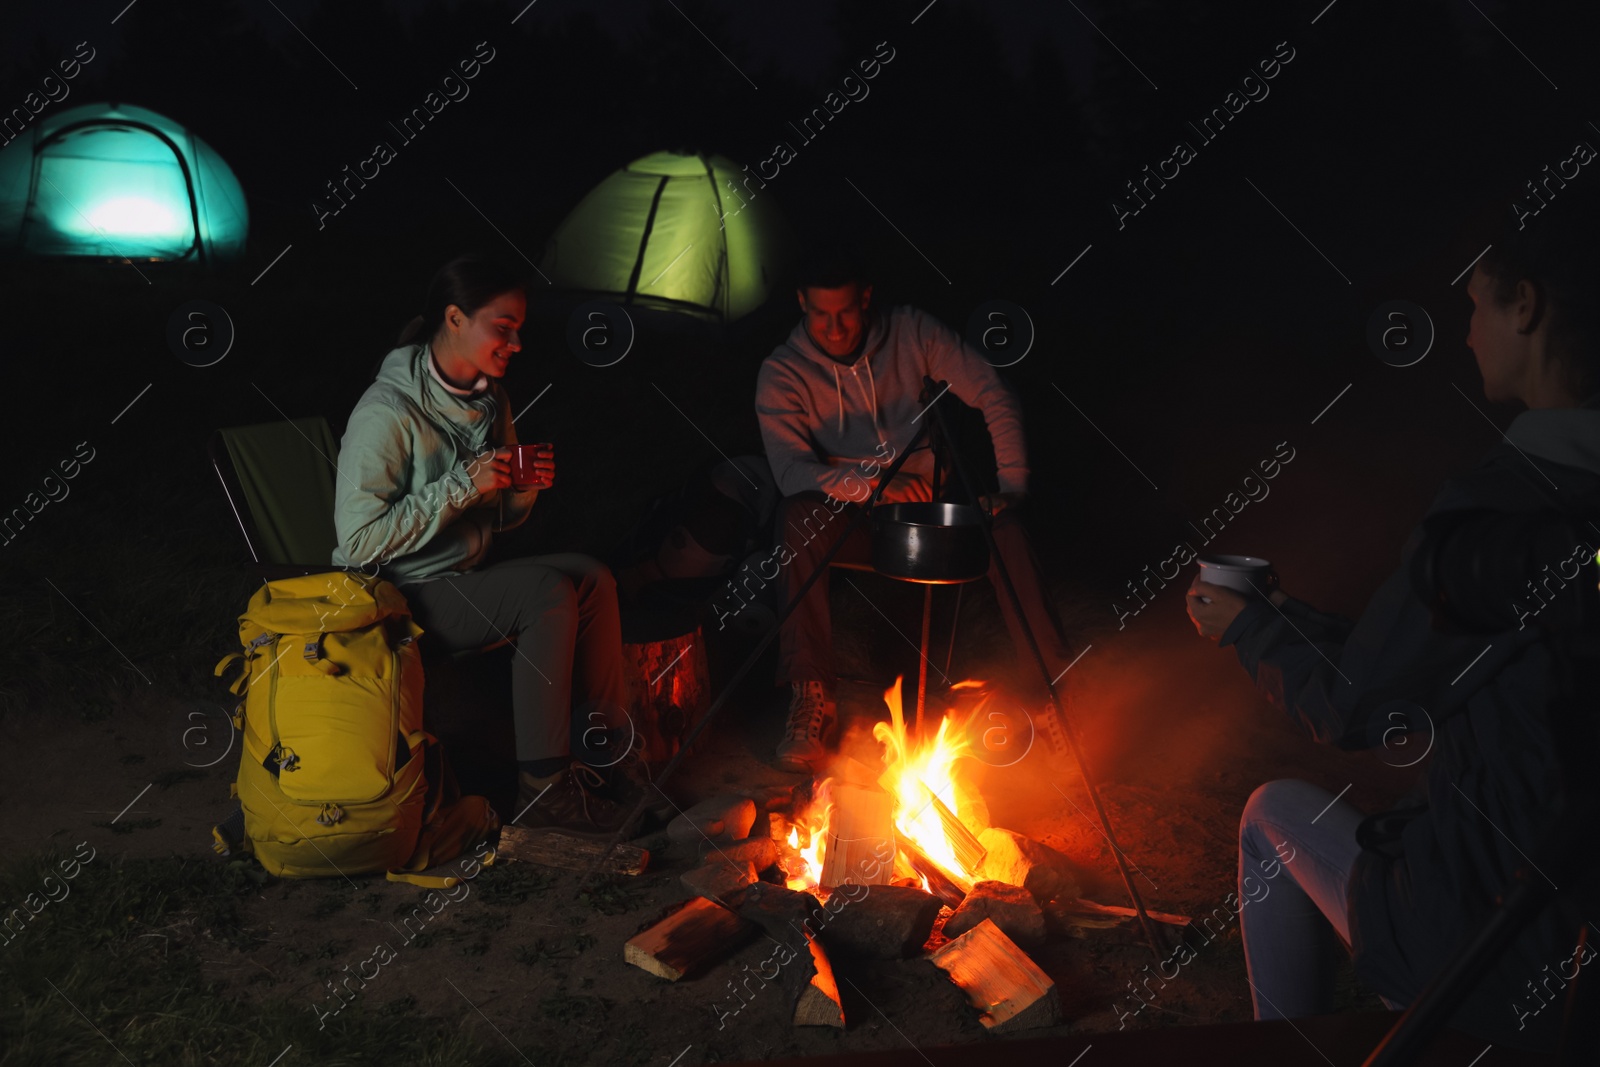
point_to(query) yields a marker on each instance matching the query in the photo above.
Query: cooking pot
(927, 542)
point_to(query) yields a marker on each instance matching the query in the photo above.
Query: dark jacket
(1492, 777)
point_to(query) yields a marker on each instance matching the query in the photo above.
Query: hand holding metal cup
(1225, 586)
(1251, 576)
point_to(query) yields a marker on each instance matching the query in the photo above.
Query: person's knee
(594, 577)
(1274, 802)
(542, 590)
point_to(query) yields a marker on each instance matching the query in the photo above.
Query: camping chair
(281, 475)
(284, 474)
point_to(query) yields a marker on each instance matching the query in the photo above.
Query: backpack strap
(311, 651)
(451, 822)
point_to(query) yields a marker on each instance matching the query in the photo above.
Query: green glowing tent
(680, 232)
(118, 181)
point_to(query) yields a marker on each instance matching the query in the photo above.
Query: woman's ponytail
(410, 332)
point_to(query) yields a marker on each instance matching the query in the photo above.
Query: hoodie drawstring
(874, 385)
(872, 400)
(838, 391)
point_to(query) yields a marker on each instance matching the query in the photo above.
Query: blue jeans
(1297, 846)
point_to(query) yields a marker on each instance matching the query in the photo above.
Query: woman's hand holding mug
(491, 470)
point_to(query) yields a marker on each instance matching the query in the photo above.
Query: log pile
(1023, 893)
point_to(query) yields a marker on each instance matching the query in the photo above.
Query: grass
(116, 962)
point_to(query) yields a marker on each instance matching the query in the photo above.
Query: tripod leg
(955, 620)
(1152, 936)
(922, 665)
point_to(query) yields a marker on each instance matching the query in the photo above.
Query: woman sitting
(424, 483)
(1406, 889)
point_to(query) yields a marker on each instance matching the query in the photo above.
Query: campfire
(861, 864)
(922, 805)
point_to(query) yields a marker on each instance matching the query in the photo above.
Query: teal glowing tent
(112, 180)
(676, 231)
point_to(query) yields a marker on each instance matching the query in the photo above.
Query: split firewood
(719, 880)
(569, 853)
(848, 770)
(692, 935)
(883, 922)
(1008, 989)
(1010, 907)
(860, 838)
(793, 919)
(940, 882)
(1017, 860)
(719, 816)
(968, 849)
(760, 852)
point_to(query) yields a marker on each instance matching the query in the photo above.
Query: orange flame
(810, 846)
(919, 770)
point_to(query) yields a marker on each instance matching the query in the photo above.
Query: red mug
(523, 473)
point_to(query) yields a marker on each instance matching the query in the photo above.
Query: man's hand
(994, 503)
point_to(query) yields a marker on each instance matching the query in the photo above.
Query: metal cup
(1250, 576)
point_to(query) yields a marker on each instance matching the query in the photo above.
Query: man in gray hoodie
(837, 402)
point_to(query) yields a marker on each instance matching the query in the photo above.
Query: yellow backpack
(337, 775)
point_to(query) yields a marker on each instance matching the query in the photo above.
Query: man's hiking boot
(811, 712)
(565, 804)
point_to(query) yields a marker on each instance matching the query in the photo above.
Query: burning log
(568, 853)
(940, 883)
(692, 935)
(1010, 907)
(1018, 860)
(1008, 989)
(968, 849)
(886, 922)
(806, 974)
(860, 827)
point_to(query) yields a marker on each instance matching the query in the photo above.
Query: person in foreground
(836, 403)
(1405, 889)
(424, 483)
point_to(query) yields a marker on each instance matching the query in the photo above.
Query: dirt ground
(525, 957)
